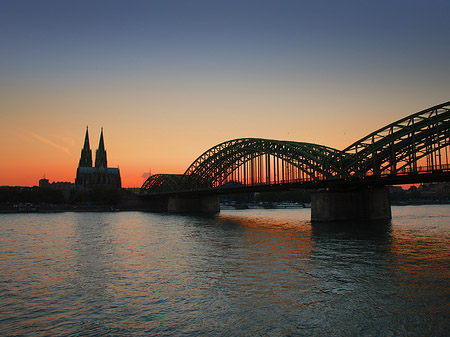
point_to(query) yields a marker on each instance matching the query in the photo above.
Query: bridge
(348, 183)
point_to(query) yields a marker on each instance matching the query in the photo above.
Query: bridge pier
(367, 203)
(204, 204)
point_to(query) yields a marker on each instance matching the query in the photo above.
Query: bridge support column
(205, 204)
(369, 203)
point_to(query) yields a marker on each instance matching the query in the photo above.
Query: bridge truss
(417, 143)
(412, 146)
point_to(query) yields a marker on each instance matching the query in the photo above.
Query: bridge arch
(262, 161)
(161, 183)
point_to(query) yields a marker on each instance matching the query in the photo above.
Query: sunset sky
(169, 79)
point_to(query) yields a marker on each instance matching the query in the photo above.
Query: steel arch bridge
(413, 149)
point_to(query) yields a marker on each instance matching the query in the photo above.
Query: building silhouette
(100, 175)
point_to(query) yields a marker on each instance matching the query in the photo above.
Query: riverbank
(59, 209)
(81, 207)
(126, 207)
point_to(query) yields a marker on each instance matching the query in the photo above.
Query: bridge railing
(404, 171)
(170, 181)
(424, 169)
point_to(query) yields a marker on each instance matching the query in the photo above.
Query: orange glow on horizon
(169, 139)
(58, 160)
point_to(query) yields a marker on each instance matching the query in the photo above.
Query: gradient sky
(169, 79)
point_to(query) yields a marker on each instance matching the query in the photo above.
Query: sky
(169, 79)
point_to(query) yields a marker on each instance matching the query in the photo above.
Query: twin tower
(100, 175)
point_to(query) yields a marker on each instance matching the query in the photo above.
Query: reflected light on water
(252, 272)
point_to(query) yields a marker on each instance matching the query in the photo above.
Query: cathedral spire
(86, 140)
(86, 153)
(100, 155)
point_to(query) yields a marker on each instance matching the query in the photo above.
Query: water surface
(249, 272)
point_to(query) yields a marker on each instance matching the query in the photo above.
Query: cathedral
(100, 175)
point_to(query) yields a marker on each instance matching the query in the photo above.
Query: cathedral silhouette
(100, 175)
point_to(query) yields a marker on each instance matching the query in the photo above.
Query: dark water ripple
(252, 272)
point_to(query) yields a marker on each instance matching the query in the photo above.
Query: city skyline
(169, 79)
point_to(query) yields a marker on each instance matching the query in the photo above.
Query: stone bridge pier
(352, 203)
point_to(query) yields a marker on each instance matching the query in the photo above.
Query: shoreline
(111, 208)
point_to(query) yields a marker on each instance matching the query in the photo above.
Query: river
(237, 273)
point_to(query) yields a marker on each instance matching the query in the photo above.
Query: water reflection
(363, 229)
(252, 262)
(253, 272)
(95, 272)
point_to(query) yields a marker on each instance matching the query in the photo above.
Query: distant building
(44, 183)
(63, 186)
(435, 189)
(100, 175)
